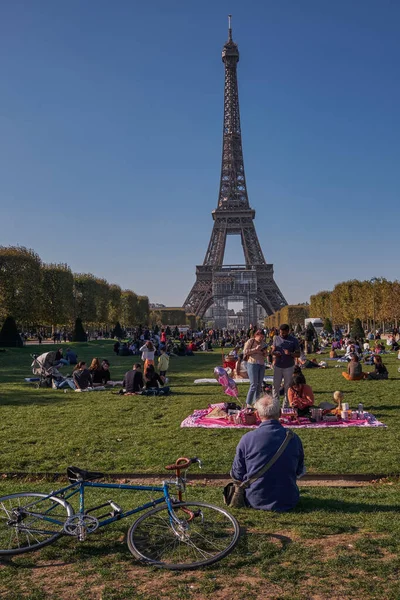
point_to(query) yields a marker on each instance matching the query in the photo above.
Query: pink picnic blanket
(198, 419)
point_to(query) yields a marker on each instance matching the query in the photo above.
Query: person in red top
(163, 337)
(300, 395)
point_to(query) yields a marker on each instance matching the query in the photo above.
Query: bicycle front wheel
(29, 521)
(203, 535)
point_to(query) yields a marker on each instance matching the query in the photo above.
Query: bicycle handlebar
(183, 463)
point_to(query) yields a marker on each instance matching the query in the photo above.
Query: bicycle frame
(79, 488)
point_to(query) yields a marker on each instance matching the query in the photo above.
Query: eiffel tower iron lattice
(215, 282)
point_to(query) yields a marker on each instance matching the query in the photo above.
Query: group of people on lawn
(277, 488)
(98, 373)
(135, 380)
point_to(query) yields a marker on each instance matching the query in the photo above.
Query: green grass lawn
(46, 430)
(339, 543)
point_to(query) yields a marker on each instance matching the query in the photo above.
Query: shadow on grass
(310, 505)
(40, 400)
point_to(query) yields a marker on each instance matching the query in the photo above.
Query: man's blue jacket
(277, 489)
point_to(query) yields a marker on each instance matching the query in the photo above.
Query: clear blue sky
(110, 136)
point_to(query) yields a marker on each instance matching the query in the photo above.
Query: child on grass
(163, 363)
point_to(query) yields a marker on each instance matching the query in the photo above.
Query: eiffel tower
(216, 283)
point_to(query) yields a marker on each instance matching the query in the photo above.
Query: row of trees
(372, 301)
(292, 314)
(35, 293)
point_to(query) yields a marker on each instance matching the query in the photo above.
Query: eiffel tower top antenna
(230, 28)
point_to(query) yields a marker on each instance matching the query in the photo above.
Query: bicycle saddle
(76, 474)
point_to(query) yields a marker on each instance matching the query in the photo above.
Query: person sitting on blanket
(133, 381)
(82, 377)
(354, 369)
(152, 379)
(300, 395)
(154, 383)
(380, 372)
(240, 368)
(277, 489)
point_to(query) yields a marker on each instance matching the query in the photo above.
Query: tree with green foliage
(9, 336)
(129, 308)
(328, 326)
(118, 332)
(20, 277)
(357, 330)
(57, 294)
(114, 304)
(143, 310)
(102, 300)
(155, 318)
(79, 334)
(85, 289)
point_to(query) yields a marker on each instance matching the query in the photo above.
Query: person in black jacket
(133, 380)
(380, 372)
(82, 377)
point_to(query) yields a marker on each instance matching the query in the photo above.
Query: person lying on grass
(277, 489)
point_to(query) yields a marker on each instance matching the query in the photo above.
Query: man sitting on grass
(277, 489)
(133, 380)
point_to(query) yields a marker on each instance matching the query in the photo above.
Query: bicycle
(174, 534)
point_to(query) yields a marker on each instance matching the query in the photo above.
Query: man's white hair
(267, 407)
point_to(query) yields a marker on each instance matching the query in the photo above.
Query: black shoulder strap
(278, 453)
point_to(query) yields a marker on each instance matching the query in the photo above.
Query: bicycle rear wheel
(29, 521)
(204, 535)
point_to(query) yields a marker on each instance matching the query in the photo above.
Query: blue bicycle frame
(79, 488)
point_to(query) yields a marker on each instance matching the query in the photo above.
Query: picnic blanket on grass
(214, 381)
(199, 418)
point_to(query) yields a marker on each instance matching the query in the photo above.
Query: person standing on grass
(148, 352)
(277, 489)
(163, 362)
(285, 348)
(254, 356)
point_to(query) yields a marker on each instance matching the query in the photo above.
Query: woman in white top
(254, 353)
(147, 351)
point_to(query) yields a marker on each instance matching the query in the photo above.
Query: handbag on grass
(234, 491)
